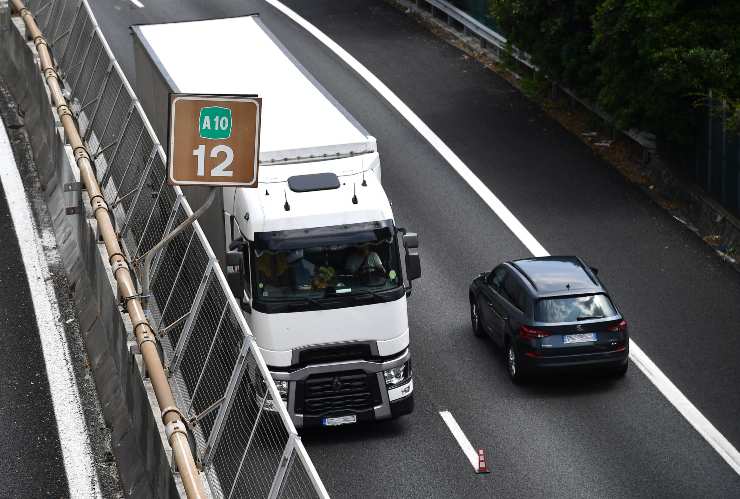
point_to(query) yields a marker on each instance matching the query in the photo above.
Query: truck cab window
(327, 270)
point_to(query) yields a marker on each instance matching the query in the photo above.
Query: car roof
(554, 275)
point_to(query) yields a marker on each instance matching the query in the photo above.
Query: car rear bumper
(597, 360)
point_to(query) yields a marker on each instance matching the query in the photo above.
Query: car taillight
(619, 327)
(531, 333)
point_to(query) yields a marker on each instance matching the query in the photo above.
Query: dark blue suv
(549, 313)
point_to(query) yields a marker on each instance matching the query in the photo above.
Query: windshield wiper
(587, 317)
(366, 292)
(308, 300)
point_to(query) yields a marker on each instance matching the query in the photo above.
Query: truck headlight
(397, 375)
(282, 388)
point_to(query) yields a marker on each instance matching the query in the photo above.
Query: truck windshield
(327, 270)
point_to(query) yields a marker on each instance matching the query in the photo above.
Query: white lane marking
(718, 442)
(701, 424)
(462, 440)
(78, 462)
(137, 3)
(456, 163)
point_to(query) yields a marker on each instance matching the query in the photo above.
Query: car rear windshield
(573, 308)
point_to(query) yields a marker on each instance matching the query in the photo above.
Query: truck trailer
(313, 253)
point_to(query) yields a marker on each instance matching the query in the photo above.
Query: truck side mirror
(410, 240)
(413, 264)
(236, 243)
(234, 260)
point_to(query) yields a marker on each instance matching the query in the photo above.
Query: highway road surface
(45, 425)
(568, 437)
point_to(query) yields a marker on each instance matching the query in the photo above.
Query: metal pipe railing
(172, 418)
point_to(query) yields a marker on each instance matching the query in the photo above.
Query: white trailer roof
(240, 56)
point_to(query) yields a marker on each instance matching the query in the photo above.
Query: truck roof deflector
(313, 182)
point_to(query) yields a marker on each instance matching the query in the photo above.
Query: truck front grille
(336, 393)
(336, 353)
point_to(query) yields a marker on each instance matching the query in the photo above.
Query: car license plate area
(579, 338)
(338, 421)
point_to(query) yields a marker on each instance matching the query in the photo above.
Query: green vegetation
(649, 63)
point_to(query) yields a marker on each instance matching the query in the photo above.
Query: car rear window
(573, 308)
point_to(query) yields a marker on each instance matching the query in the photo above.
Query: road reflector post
(482, 466)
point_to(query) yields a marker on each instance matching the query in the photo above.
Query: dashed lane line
(462, 440)
(700, 423)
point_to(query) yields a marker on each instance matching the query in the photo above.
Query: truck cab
(313, 253)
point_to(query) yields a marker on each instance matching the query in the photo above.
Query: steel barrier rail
(487, 36)
(146, 339)
(245, 442)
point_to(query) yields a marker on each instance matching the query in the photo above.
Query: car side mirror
(594, 270)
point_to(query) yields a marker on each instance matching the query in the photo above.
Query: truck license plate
(340, 420)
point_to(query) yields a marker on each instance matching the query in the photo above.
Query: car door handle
(490, 304)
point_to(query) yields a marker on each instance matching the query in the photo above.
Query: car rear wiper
(587, 317)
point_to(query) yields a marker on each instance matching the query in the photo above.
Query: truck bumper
(355, 391)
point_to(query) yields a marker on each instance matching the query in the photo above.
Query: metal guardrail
(489, 39)
(499, 47)
(216, 371)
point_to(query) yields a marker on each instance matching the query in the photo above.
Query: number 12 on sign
(219, 170)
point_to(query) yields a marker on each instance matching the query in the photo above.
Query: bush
(649, 63)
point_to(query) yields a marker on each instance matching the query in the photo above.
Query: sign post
(214, 140)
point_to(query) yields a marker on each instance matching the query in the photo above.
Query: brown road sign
(214, 140)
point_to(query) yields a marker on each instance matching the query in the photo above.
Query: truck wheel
(475, 318)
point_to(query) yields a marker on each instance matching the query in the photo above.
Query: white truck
(313, 252)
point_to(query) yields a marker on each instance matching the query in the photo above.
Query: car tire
(475, 318)
(513, 364)
(620, 371)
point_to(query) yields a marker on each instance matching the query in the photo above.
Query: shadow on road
(380, 430)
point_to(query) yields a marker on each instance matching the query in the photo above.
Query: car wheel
(475, 318)
(513, 364)
(621, 371)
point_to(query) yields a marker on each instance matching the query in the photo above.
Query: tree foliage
(649, 63)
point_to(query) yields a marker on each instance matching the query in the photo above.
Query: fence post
(167, 230)
(194, 394)
(135, 202)
(188, 329)
(283, 468)
(223, 412)
(249, 443)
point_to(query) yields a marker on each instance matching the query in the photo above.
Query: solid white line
(718, 442)
(137, 3)
(455, 162)
(78, 464)
(705, 428)
(462, 440)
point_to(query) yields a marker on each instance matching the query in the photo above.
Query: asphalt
(570, 437)
(31, 462)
